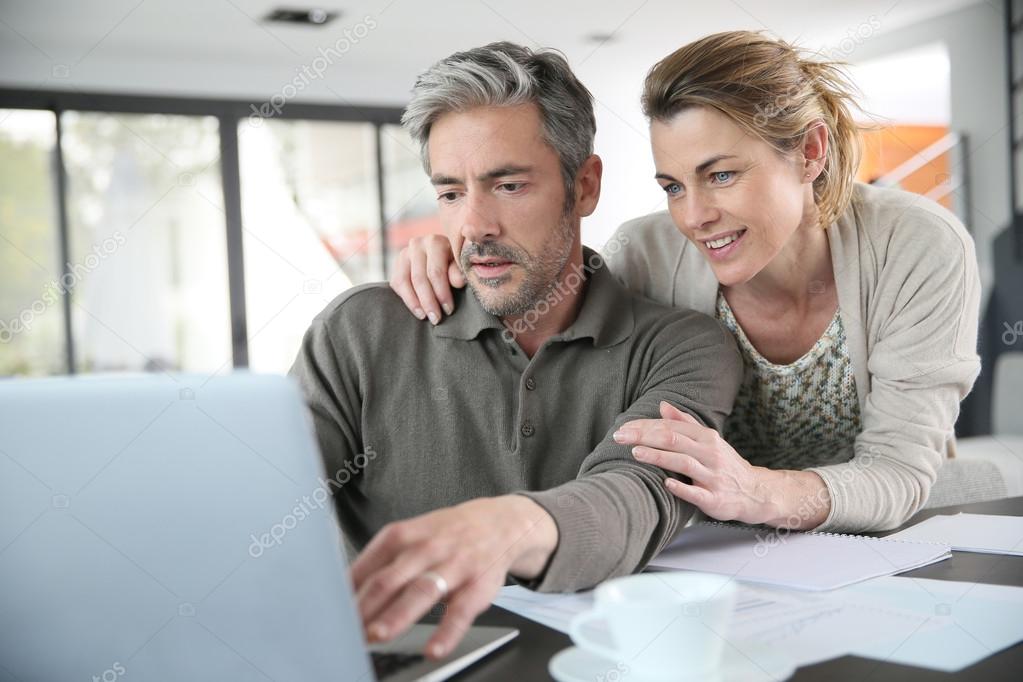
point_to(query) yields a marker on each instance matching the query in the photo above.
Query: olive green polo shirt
(411, 417)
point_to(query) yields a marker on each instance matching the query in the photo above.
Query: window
(311, 226)
(410, 205)
(189, 234)
(31, 316)
(148, 254)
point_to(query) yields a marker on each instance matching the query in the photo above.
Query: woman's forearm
(797, 500)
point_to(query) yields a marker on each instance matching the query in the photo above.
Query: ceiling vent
(310, 17)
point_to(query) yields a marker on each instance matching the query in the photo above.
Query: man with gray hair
(494, 429)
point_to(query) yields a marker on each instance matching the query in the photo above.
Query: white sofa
(989, 467)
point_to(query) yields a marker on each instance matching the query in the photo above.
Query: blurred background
(185, 184)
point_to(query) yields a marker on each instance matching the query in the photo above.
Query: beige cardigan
(909, 295)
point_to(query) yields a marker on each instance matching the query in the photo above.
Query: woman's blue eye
(723, 176)
(673, 188)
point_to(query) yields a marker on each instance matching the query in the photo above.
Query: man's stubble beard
(541, 271)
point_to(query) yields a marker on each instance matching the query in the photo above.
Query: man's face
(502, 201)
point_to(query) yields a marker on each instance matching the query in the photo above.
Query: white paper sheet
(967, 622)
(553, 610)
(801, 625)
(941, 625)
(802, 561)
(983, 533)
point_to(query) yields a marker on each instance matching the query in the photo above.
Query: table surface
(525, 658)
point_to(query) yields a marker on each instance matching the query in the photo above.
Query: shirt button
(527, 429)
(530, 383)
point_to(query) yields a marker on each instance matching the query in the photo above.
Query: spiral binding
(749, 527)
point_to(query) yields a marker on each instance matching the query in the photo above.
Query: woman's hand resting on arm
(425, 272)
(723, 485)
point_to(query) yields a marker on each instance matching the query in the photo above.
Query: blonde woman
(855, 307)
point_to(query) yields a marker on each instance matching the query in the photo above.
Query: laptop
(180, 527)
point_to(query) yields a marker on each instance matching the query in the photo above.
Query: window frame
(229, 114)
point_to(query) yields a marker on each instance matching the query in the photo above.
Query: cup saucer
(751, 663)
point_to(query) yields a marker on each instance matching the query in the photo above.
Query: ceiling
(220, 48)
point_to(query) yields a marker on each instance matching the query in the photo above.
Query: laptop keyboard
(387, 664)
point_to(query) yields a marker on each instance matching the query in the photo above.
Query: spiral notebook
(797, 560)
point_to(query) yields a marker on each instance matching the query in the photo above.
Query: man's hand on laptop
(460, 555)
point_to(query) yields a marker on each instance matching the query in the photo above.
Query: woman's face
(730, 193)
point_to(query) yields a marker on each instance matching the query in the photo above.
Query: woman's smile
(722, 246)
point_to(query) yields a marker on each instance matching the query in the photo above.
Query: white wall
(975, 40)
(910, 88)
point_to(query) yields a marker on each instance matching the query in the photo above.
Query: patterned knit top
(798, 415)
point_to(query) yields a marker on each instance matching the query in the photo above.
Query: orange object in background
(886, 149)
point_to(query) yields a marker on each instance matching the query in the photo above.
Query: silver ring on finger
(438, 582)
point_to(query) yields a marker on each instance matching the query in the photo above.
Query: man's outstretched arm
(618, 514)
(609, 521)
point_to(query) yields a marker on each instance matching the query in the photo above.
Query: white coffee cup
(664, 625)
